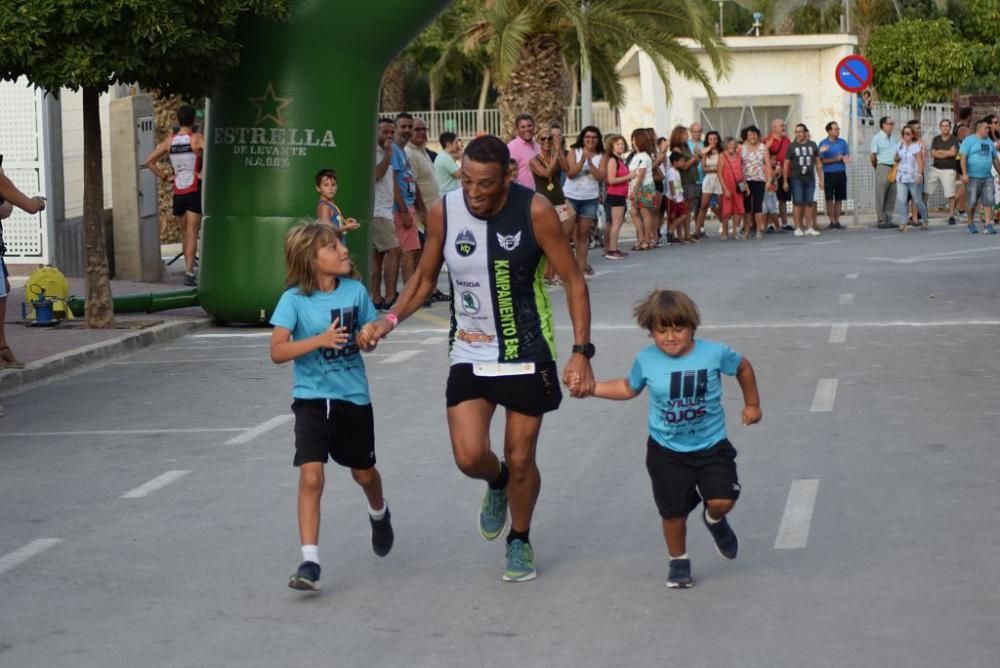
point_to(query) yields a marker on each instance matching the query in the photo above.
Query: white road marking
(933, 257)
(159, 482)
(262, 428)
(231, 335)
(433, 340)
(847, 298)
(793, 532)
(838, 333)
(196, 360)
(401, 356)
(603, 272)
(118, 432)
(25, 552)
(228, 346)
(768, 249)
(826, 394)
(851, 277)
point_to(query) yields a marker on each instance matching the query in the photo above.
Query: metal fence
(860, 175)
(469, 123)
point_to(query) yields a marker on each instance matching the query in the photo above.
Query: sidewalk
(46, 351)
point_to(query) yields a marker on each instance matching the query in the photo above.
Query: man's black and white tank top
(186, 164)
(500, 308)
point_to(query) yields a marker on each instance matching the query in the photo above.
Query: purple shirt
(523, 152)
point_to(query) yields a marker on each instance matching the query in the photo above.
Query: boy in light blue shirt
(689, 457)
(316, 323)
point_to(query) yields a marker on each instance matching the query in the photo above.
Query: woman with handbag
(734, 187)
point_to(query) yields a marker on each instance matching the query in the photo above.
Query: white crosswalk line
(793, 532)
(22, 554)
(401, 356)
(262, 428)
(826, 394)
(838, 333)
(159, 482)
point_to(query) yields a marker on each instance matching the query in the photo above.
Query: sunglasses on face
(545, 139)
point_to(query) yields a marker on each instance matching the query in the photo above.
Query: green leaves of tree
(918, 62)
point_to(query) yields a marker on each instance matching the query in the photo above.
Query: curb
(11, 379)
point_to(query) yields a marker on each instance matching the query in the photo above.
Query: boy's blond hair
(301, 245)
(667, 308)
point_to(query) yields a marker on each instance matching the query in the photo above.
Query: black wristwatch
(587, 350)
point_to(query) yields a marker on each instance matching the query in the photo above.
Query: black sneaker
(306, 578)
(190, 280)
(951, 220)
(382, 535)
(679, 575)
(726, 541)
(438, 296)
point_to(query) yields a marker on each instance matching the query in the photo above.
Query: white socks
(377, 514)
(710, 519)
(683, 556)
(310, 553)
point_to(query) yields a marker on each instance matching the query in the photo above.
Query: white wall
(72, 140)
(782, 68)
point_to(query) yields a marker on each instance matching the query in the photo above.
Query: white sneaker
(798, 232)
(812, 232)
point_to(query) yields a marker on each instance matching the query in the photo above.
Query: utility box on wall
(136, 221)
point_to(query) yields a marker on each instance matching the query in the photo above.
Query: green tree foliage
(978, 23)
(918, 62)
(176, 46)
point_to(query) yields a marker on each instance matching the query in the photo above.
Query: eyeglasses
(545, 139)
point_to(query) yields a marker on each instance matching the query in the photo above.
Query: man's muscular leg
(520, 441)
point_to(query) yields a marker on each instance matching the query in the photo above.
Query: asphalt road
(149, 504)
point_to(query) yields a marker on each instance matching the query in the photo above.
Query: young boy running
(689, 458)
(316, 323)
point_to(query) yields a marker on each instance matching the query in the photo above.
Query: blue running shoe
(973, 229)
(306, 578)
(679, 575)
(990, 229)
(725, 538)
(493, 513)
(520, 562)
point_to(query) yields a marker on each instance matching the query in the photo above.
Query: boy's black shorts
(531, 394)
(340, 430)
(682, 479)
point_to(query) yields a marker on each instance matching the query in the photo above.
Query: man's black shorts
(835, 186)
(531, 394)
(340, 430)
(187, 202)
(682, 479)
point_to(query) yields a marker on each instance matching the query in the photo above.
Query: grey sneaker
(520, 562)
(725, 538)
(190, 280)
(306, 578)
(679, 575)
(493, 513)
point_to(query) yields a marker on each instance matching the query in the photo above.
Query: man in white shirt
(385, 245)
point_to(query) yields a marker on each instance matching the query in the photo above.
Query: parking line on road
(262, 428)
(117, 432)
(838, 333)
(826, 394)
(25, 552)
(433, 340)
(851, 277)
(159, 482)
(793, 532)
(231, 335)
(846, 298)
(401, 356)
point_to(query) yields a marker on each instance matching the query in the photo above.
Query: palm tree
(527, 42)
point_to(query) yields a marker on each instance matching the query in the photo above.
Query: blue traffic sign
(854, 73)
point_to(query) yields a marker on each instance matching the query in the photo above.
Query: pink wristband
(393, 319)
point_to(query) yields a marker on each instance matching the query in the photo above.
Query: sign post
(854, 74)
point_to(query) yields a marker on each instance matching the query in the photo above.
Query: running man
(185, 148)
(496, 237)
